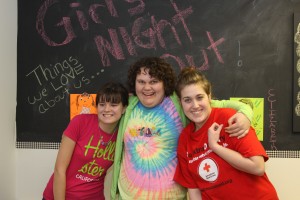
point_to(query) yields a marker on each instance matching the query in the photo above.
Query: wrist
(214, 146)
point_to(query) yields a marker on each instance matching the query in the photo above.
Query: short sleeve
(73, 129)
(250, 146)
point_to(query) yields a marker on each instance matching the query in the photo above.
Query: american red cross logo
(206, 167)
(208, 170)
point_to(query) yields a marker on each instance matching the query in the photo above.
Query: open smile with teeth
(107, 115)
(148, 94)
(197, 112)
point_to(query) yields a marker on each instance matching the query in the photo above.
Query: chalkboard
(246, 49)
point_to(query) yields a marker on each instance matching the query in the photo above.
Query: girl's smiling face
(149, 90)
(196, 104)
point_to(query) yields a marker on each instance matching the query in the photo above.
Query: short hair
(113, 92)
(158, 68)
(189, 76)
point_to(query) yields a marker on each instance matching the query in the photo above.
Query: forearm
(253, 165)
(236, 105)
(59, 186)
(63, 160)
(194, 194)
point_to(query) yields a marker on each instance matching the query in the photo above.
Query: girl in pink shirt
(87, 148)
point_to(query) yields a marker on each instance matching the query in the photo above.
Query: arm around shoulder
(236, 105)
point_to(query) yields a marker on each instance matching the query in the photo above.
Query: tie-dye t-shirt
(149, 159)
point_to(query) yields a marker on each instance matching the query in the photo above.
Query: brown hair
(158, 68)
(113, 92)
(190, 75)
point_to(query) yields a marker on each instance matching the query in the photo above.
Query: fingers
(238, 126)
(219, 127)
(231, 120)
(233, 128)
(216, 127)
(237, 133)
(240, 134)
(243, 134)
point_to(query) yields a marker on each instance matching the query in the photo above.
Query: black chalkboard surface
(246, 49)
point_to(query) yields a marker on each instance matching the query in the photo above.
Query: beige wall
(37, 166)
(284, 174)
(8, 42)
(25, 172)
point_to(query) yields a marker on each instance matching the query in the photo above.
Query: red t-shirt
(89, 162)
(199, 167)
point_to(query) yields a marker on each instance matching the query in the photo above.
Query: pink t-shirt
(90, 160)
(199, 167)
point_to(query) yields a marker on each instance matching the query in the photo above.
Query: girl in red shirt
(211, 164)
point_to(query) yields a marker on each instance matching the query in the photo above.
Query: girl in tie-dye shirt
(145, 157)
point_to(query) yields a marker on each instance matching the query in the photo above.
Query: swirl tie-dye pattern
(149, 159)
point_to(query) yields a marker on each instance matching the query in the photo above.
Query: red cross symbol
(206, 167)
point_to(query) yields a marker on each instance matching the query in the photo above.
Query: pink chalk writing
(115, 49)
(272, 118)
(147, 32)
(190, 60)
(116, 41)
(138, 9)
(179, 17)
(214, 46)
